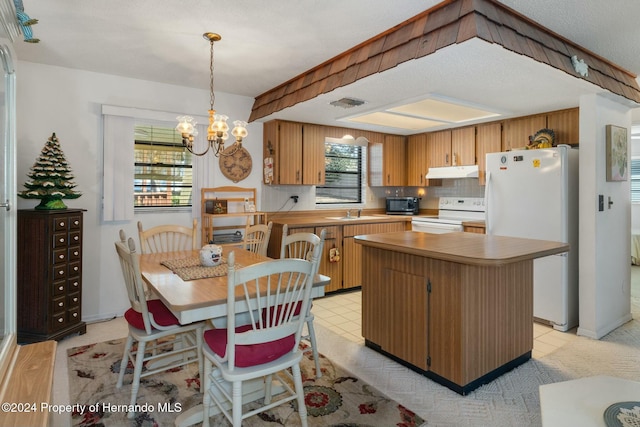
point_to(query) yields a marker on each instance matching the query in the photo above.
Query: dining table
(198, 299)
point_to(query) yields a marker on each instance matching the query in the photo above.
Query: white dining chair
(256, 238)
(302, 245)
(168, 238)
(151, 322)
(273, 293)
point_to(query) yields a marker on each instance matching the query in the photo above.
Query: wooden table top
(464, 248)
(179, 295)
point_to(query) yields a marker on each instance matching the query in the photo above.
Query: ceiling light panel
(395, 120)
(444, 111)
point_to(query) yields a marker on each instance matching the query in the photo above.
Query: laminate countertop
(464, 248)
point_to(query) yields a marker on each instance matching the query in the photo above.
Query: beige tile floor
(342, 313)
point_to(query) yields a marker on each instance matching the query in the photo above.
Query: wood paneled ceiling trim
(451, 22)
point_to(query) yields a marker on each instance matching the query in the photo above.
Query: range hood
(470, 171)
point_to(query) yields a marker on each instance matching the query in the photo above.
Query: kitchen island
(456, 307)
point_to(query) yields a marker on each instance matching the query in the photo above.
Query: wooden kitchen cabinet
(395, 309)
(566, 126)
(313, 165)
(417, 160)
(282, 143)
(516, 132)
(387, 161)
(49, 297)
(439, 148)
(352, 252)
(463, 146)
(488, 140)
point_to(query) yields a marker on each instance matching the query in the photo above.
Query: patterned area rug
(336, 399)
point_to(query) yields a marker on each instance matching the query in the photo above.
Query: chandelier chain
(211, 93)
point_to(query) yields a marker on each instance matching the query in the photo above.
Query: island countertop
(465, 248)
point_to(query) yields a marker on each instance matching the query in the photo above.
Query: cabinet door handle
(6, 205)
(319, 176)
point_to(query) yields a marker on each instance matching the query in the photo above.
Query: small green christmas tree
(50, 178)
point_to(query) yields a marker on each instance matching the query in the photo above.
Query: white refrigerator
(534, 194)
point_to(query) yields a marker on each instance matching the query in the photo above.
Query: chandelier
(218, 129)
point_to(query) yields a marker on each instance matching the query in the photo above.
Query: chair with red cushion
(301, 245)
(171, 344)
(272, 294)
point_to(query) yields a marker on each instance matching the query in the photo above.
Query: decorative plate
(236, 166)
(623, 414)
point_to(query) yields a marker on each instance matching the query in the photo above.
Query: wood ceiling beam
(451, 22)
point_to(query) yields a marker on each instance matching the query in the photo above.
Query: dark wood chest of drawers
(49, 274)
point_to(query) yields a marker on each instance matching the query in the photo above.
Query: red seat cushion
(161, 315)
(249, 355)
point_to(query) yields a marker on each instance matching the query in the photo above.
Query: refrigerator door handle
(487, 216)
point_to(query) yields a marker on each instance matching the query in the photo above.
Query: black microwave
(403, 205)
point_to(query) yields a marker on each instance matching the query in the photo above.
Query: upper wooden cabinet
(417, 160)
(566, 125)
(387, 161)
(488, 140)
(313, 171)
(282, 143)
(463, 146)
(516, 132)
(439, 148)
(296, 151)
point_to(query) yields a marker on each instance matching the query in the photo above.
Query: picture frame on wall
(617, 153)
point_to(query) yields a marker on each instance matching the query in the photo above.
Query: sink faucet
(349, 213)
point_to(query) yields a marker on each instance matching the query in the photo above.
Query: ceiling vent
(347, 102)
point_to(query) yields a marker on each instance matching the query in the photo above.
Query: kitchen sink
(351, 218)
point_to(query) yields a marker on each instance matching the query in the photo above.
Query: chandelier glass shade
(218, 129)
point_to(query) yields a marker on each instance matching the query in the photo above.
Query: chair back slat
(273, 291)
(168, 238)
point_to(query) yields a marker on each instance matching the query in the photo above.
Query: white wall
(604, 236)
(68, 102)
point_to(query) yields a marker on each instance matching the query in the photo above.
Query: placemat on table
(191, 269)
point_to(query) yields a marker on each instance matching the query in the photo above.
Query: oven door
(434, 227)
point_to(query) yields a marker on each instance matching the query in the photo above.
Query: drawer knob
(75, 300)
(60, 304)
(75, 314)
(76, 238)
(76, 253)
(62, 224)
(75, 268)
(76, 222)
(61, 288)
(60, 320)
(61, 256)
(60, 272)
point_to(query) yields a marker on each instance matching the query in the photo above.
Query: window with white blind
(343, 175)
(163, 168)
(635, 180)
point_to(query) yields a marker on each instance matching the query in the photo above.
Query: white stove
(452, 212)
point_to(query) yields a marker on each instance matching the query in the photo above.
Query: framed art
(617, 153)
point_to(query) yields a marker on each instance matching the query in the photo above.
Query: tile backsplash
(278, 198)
